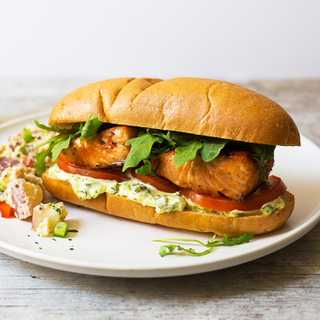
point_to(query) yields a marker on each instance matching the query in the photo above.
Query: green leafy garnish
(26, 134)
(40, 165)
(211, 148)
(151, 142)
(170, 247)
(261, 153)
(140, 149)
(147, 167)
(90, 128)
(186, 153)
(211, 244)
(62, 140)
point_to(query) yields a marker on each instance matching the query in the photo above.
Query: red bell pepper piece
(6, 210)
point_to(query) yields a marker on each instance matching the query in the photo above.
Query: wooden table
(282, 285)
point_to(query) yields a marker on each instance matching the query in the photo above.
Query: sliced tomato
(159, 183)
(6, 210)
(106, 174)
(275, 189)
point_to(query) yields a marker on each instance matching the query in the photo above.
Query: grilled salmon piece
(106, 149)
(234, 173)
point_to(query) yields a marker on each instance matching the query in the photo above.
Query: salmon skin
(106, 149)
(234, 173)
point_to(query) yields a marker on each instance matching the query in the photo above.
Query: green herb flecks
(62, 140)
(211, 244)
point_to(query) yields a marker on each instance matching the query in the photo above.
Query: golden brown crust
(202, 222)
(199, 106)
(93, 98)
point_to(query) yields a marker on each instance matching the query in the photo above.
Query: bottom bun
(187, 220)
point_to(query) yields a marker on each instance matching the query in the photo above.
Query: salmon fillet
(106, 149)
(234, 173)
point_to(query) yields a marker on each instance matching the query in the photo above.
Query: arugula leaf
(26, 134)
(186, 153)
(62, 140)
(40, 165)
(165, 137)
(211, 244)
(160, 147)
(147, 168)
(53, 139)
(211, 148)
(58, 147)
(90, 128)
(163, 250)
(235, 241)
(183, 139)
(186, 145)
(262, 152)
(44, 127)
(140, 149)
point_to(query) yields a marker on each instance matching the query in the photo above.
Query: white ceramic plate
(112, 246)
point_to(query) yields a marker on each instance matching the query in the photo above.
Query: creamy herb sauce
(88, 188)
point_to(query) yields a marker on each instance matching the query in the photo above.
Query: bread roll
(197, 106)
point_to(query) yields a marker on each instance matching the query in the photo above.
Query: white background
(96, 39)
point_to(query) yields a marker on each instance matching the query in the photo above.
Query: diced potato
(44, 227)
(46, 216)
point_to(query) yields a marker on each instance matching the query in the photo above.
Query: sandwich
(186, 153)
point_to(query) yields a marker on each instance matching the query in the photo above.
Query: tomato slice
(106, 174)
(6, 210)
(275, 189)
(159, 183)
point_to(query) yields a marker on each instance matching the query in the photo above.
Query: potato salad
(21, 189)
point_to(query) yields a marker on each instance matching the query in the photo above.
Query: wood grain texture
(282, 285)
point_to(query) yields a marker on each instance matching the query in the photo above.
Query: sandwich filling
(170, 170)
(87, 188)
(234, 173)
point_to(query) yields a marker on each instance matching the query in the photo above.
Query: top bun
(198, 106)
